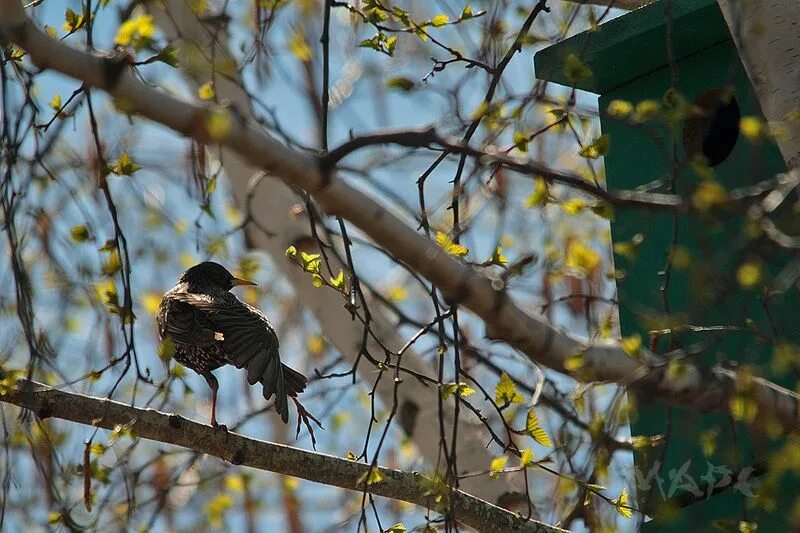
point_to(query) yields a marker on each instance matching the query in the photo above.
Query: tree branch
(654, 201)
(267, 202)
(428, 137)
(620, 4)
(150, 424)
(505, 320)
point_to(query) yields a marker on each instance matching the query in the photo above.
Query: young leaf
(526, 458)
(179, 372)
(622, 505)
(748, 527)
(505, 392)
(646, 110)
(448, 389)
(400, 83)
(573, 206)
(538, 197)
(310, 262)
(113, 264)
(402, 16)
(598, 148)
(300, 47)
(397, 293)
(376, 15)
(581, 257)
(338, 282)
(217, 507)
(498, 258)
(535, 430)
(497, 465)
(124, 166)
(575, 70)
(136, 32)
(521, 141)
(235, 483)
(447, 244)
(9, 380)
(168, 55)
(72, 21)
(381, 43)
(462, 389)
(748, 275)
(79, 233)
(631, 344)
(440, 20)
(391, 42)
(619, 109)
(371, 477)
(709, 194)
(465, 390)
(218, 124)
(751, 127)
(206, 91)
(605, 210)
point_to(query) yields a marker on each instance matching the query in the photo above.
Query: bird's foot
(217, 425)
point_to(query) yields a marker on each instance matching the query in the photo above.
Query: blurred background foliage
(100, 219)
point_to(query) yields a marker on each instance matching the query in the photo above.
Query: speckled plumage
(203, 357)
(210, 327)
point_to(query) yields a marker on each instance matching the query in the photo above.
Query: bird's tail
(294, 381)
(283, 382)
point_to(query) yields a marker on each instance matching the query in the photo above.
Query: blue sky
(160, 187)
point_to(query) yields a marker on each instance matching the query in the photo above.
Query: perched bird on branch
(210, 327)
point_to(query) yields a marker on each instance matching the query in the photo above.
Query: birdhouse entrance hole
(713, 129)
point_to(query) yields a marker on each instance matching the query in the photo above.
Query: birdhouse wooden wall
(682, 118)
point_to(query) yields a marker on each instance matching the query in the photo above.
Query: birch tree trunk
(767, 35)
(270, 205)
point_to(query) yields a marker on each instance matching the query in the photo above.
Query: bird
(210, 327)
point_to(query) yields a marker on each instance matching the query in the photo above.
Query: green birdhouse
(708, 284)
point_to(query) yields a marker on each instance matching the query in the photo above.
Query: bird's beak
(240, 281)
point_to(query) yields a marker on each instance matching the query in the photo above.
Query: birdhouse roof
(635, 44)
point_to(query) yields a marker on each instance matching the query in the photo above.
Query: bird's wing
(184, 322)
(246, 332)
(249, 341)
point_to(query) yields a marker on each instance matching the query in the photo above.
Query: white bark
(767, 35)
(529, 333)
(271, 203)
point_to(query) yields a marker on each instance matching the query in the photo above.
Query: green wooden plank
(630, 61)
(704, 293)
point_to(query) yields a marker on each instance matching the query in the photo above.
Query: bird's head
(210, 274)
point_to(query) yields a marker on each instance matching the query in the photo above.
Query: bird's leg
(214, 384)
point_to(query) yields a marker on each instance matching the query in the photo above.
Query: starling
(210, 327)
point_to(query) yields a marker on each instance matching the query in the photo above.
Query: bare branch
(621, 4)
(504, 319)
(267, 202)
(429, 137)
(150, 424)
